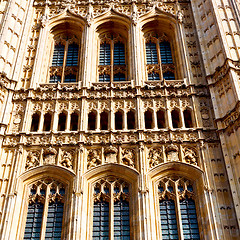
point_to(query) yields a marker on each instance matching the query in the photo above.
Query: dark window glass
(168, 220)
(151, 53)
(55, 79)
(105, 54)
(47, 122)
(175, 119)
(189, 219)
(153, 76)
(161, 119)
(166, 54)
(58, 55)
(168, 76)
(35, 122)
(70, 78)
(104, 121)
(119, 77)
(72, 55)
(131, 120)
(62, 122)
(119, 54)
(100, 221)
(121, 220)
(188, 118)
(118, 121)
(91, 121)
(148, 119)
(54, 221)
(74, 122)
(34, 221)
(104, 78)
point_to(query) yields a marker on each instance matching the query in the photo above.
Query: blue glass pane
(168, 76)
(121, 220)
(119, 54)
(58, 55)
(100, 220)
(119, 77)
(70, 78)
(34, 221)
(72, 55)
(189, 219)
(166, 54)
(104, 78)
(55, 79)
(168, 219)
(105, 54)
(151, 53)
(153, 76)
(54, 221)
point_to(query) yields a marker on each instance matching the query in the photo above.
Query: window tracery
(65, 59)
(111, 210)
(177, 208)
(159, 57)
(45, 210)
(112, 58)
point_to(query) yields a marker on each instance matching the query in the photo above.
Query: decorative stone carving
(49, 156)
(94, 158)
(155, 157)
(128, 157)
(67, 158)
(33, 159)
(172, 153)
(190, 155)
(110, 154)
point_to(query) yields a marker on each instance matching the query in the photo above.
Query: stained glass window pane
(55, 79)
(119, 54)
(168, 220)
(105, 54)
(104, 78)
(189, 219)
(121, 220)
(151, 53)
(100, 221)
(166, 54)
(54, 221)
(72, 55)
(70, 78)
(34, 221)
(168, 76)
(119, 77)
(153, 76)
(58, 55)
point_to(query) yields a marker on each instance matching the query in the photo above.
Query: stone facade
(74, 140)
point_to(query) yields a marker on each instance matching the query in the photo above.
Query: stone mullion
(159, 60)
(178, 214)
(169, 116)
(41, 120)
(111, 116)
(181, 116)
(155, 124)
(68, 121)
(112, 60)
(64, 62)
(124, 120)
(55, 117)
(111, 214)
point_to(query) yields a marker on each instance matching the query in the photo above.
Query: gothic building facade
(119, 119)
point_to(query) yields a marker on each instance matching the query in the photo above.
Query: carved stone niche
(172, 153)
(155, 157)
(110, 154)
(33, 159)
(93, 158)
(49, 156)
(128, 157)
(190, 155)
(67, 158)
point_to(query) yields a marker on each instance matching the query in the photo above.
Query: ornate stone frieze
(67, 158)
(94, 158)
(128, 157)
(33, 159)
(155, 157)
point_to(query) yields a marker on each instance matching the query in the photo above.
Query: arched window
(112, 59)
(74, 122)
(131, 120)
(159, 57)
(92, 121)
(35, 122)
(47, 124)
(111, 201)
(175, 119)
(62, 122)
(188, 118)
(65, 60)
(176, 195)
(50, 195)
(148, 119)
(118, 120)
(104, 121)
(161, 119)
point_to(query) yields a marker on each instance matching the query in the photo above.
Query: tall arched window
(47, 124)
(159, 57)
(148, 116)
(65, 60)
(111, 201)
(74, 121)
(176, 195)
(112, 58)
(104, 121)
(46, 203)
(131, 119)
(62, 118)
(119, 120)
(92, 121)
(188, 118)
(35, 122)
